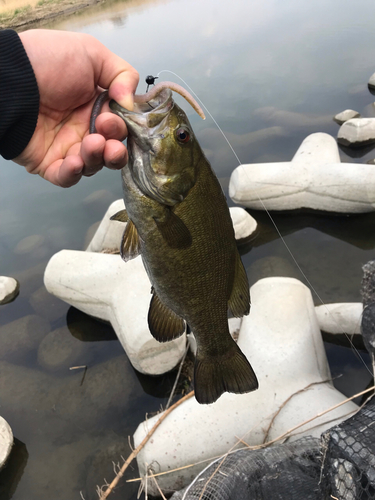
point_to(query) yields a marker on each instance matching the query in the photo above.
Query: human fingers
(92, 153)
(115, 155)
(96, 152)
(64, 173)
(111, 126)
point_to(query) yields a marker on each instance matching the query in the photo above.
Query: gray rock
(60, 351)
(346, 115)
(9, 288)
(47, 305)
(21, 337)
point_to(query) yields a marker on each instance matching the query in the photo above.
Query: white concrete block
(244, 225)
(340, 317)
(357, 132)
(346, 115)
(282, 340)
(109, 233)
(314, 179)
(106, 287)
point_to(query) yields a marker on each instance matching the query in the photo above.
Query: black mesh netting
(290, 471)
(341, 466)
(349, 457)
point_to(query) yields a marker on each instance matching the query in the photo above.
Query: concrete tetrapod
(342, 317)
(282, 340)
(314, 179)
(106, 287)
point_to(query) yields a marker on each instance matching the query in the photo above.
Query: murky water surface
(271, 73)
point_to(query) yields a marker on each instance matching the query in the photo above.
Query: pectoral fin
(173, 230)
(163, 323)
(130, 245)
(239, 301)
(121, 216)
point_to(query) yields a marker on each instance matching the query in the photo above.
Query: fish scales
(181, 225)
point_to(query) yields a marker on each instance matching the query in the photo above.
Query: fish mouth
(145, 115)
(143, 139)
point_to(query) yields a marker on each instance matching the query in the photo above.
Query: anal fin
(130, 245)
(239, 300)
(164, 324)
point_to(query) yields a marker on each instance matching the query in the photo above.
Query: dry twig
(286, 402)
(104, 494)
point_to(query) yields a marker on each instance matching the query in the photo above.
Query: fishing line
(355, 350)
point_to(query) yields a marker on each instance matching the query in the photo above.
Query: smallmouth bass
(179, 222)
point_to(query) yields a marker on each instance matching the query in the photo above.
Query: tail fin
(230, 372)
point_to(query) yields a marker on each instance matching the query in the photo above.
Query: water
(282, 68)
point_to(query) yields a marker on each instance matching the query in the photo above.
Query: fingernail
(78, 170)
(127, 102)
(119, 161)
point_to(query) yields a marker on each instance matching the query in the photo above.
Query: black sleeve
(19, 96)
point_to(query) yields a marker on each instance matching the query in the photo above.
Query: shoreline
(25, 18)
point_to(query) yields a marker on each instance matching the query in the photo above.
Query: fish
(179, 222)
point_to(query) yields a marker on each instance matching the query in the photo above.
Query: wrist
(19, 96)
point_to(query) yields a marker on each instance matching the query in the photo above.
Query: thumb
(116, 75)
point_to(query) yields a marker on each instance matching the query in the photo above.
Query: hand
(71, 70)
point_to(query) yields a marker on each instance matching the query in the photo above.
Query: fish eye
(182, 135)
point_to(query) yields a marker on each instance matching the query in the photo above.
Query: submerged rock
(21, 337)
(60, 351)
(86, 399)
(47, 305)
(29, 244)
(357, 132)
(9, 289)
(346, 115)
